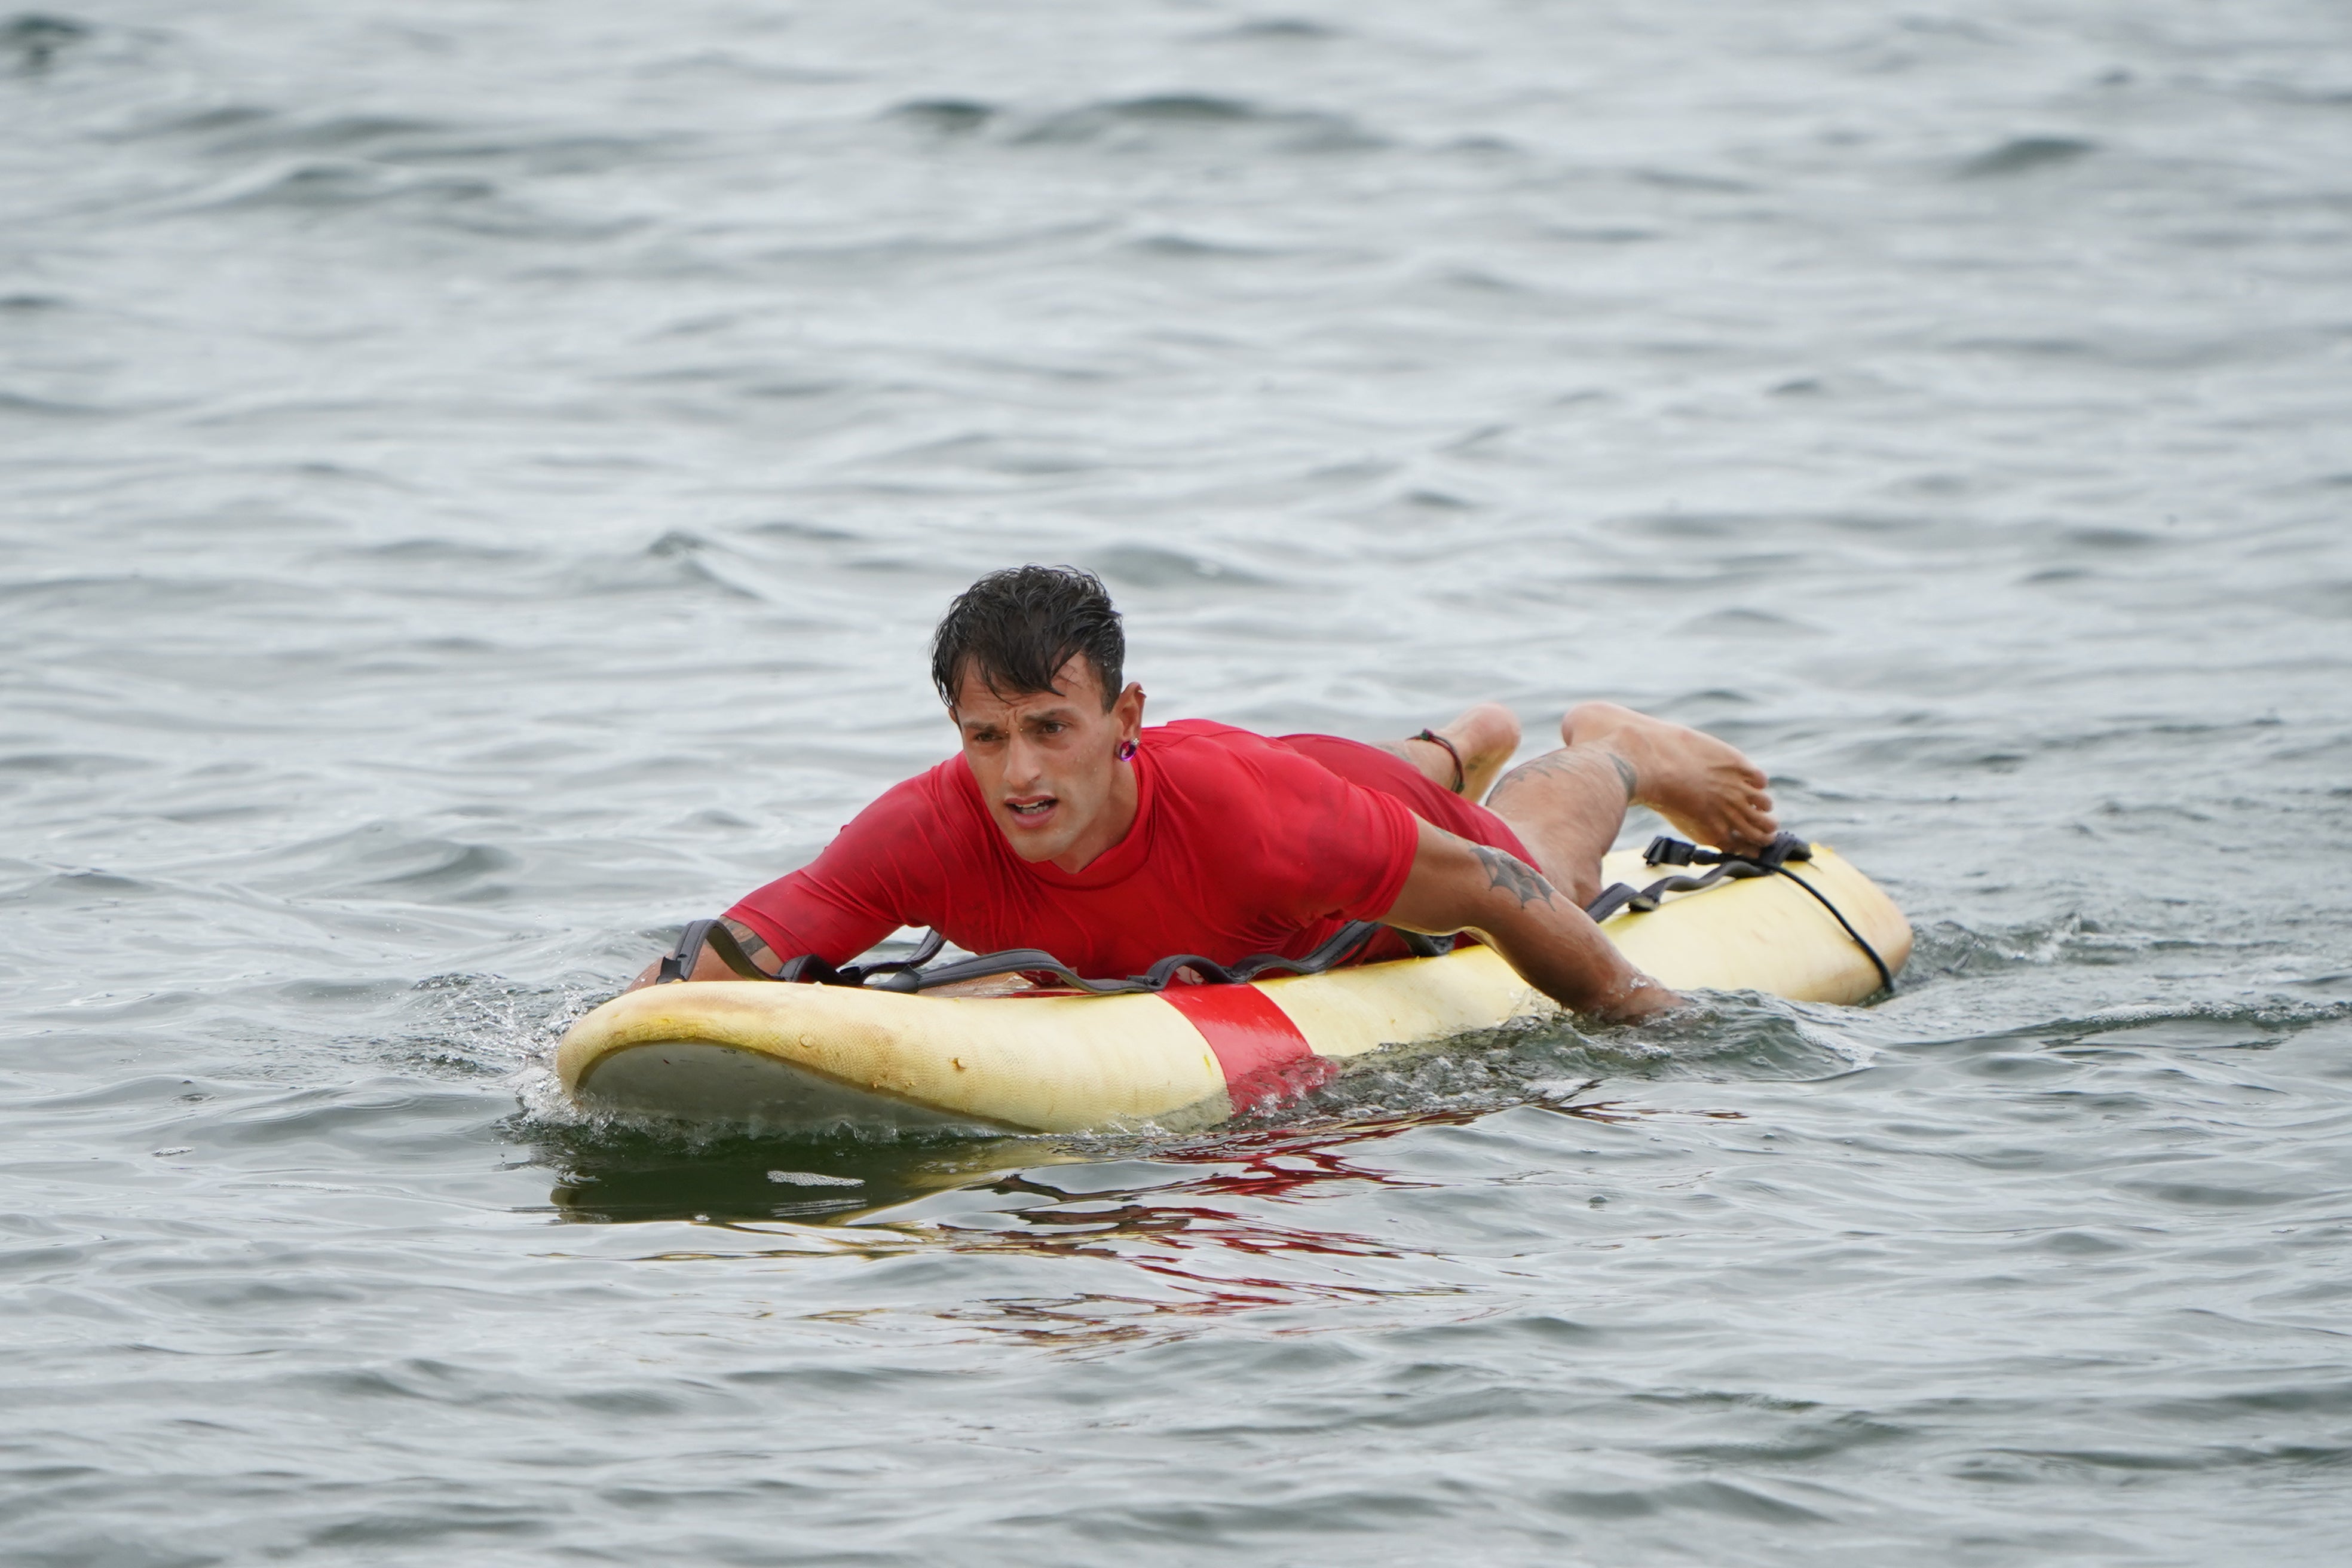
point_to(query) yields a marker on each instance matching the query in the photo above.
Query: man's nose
(1024, 762)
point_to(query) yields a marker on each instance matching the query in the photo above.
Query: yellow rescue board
(814, 1058)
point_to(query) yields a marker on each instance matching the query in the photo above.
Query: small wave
(451, 869)
(2279, 1013)
(344, 184)
(734, 67)
(802, 532)
(36, 40)
(1187, 246)
(1279, 30)
(949, 116)
(908, 247)
(195, 122)
(323, 184)
(385, 1113)
(2329, 601)
(701, 561)
(233, 131)
(26, 403)
(674, 560)
(1742, 622)
(1155, 120)
(467, 202)
(988, 453)
(1950, 949)
(1483, 146)
(386, 860)
(1749, 1504)
(2108, 540)
(2025, 154)
(546, 153)
(2253, 1024)
(441, 552)
(1149, 566)
(71, 888)
(259, 130)
(1685, 180)
(70, 765)
(1180, 109)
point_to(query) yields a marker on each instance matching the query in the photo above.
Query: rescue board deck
(810, 1060)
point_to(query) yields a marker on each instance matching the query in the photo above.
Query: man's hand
(1455, 885)
(708, 965)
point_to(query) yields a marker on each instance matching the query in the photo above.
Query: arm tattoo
(1512, 875)
(754, 949)
(1627, 776)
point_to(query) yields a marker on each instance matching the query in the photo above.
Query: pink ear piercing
(1127, 750)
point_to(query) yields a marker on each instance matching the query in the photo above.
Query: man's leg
(1486, 736)
(1568, 806)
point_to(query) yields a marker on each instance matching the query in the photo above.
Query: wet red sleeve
(1351, 848)
(880, 872)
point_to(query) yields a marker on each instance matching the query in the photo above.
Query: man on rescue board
(1066, 825)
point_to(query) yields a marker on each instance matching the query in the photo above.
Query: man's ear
(1128, 711)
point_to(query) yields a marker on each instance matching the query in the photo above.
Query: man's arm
(1455, 885)
(708, 965)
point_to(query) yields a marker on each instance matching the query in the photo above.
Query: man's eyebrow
(1068, 710)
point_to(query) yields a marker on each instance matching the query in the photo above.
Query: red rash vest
(1241, 845)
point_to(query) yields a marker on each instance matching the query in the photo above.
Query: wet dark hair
(1017, 627)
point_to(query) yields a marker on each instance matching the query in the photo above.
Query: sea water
(475, 483)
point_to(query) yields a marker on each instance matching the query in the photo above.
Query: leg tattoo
(1625, 771)
(1573, 760)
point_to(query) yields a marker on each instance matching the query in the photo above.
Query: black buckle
(1667, 850)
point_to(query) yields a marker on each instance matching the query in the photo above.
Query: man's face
(1048, 761)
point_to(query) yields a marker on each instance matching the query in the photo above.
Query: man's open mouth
(1028, 809)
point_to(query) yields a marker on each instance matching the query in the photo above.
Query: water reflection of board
(807, 1059)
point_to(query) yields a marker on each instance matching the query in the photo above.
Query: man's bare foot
(1484, 735)
(1704, 787)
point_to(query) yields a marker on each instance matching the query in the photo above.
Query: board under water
(810, 1059)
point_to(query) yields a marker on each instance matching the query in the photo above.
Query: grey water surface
(475, 482)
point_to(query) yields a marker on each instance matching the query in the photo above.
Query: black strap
(1343, 944)
(1624, 896)
(1886, 975)
(925, 951)
(910, 974)
(1767, 861)
(680, 962)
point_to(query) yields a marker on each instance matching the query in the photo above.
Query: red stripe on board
(1264, 1058)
